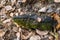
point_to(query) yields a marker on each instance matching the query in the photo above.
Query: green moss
(30, 25)
(45, 26)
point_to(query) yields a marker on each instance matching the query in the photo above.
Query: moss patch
(29, 24)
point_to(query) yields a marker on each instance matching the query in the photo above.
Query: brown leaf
(57, 18)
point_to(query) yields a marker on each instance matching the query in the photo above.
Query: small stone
(8, 20)
(15, 29)
(16, 14)
(20, 29)
(19, 10)
(35, 37)
(18, 34)
(26, 34)
(38, 5)
(50, 37)
(59, 32)
(43, 9)
(3, 17)
(3, 11)
(39, 19)
(58, 10)
(2, 33)
(57, 1)
(13, 2)
(8, 7)
(11, 14)
(49, 10)
(21, 13)
(3, 2)
(23, 1)
(45, 38)
(13, 9)
(41, 32)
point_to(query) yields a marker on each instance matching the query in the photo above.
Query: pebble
(41, 32)
(57, 1)
(18, 35)
(13, 2)
(50, 37)
(2, 33)
(21, 13)
(3, 17)
(35, 37)
(49, 10)
(19, 10)
(58, 10)
(39, 19)
(38, 5)
(3, 11)
(15, 29)
(8, 20)
(42, 9)
(11, 14)
(16, 14)
(8, 7)
(3, 2)
(20, 29)
(23, 1)
(45, 38)
(59, 32)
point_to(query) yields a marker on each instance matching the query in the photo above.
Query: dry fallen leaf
(58, 26)
(57, 18)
